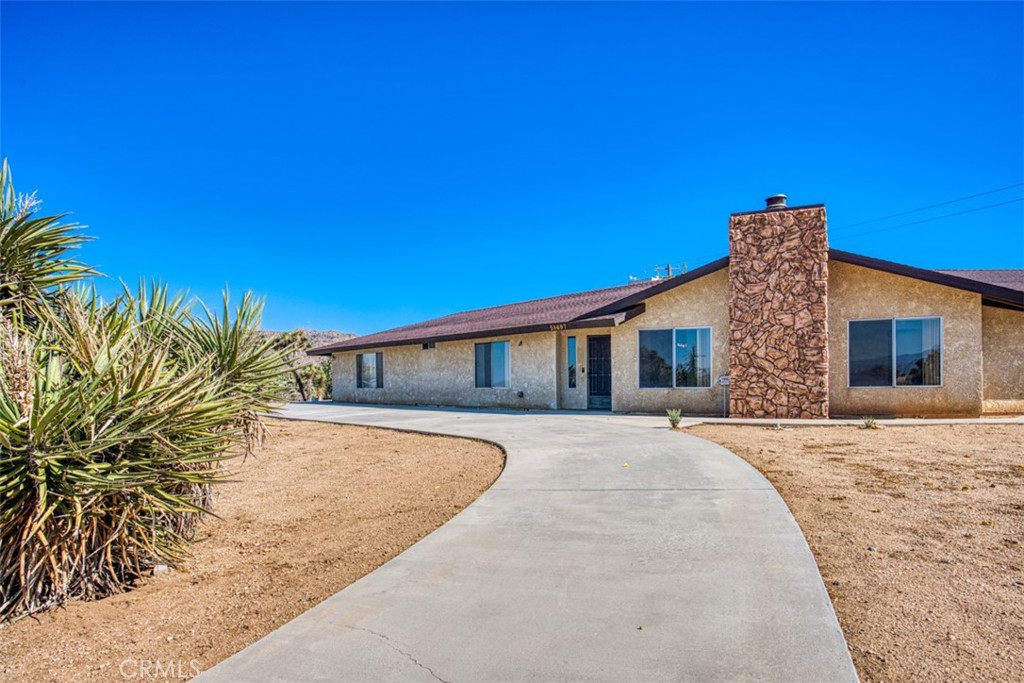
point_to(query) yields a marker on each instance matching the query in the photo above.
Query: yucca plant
(247, 364)
(105, 465)
(34, 251)
(305, 376)
(323, 378)
(115, 420)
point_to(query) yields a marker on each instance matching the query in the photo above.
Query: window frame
(378, 371)
(673, 330)
(490, 373)
(893, 320)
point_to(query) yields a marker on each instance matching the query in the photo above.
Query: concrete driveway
(610, 549)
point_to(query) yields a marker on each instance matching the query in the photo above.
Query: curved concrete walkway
(684, 565)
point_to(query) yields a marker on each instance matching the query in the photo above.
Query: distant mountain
(324, 337)
(316, 338)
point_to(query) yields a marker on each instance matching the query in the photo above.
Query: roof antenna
(668, 269)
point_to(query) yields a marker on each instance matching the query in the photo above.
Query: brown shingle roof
(1009, 278)
(527, 316)
(610, 306)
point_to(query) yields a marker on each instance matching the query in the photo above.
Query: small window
(428, 345)
(370, 370)
(895, 353)
(492, 366)
(570, 354)
(679, 358)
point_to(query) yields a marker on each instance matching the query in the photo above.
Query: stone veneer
(778, 311)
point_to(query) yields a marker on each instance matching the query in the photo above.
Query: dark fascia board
(788, 208)
(337, 348)
(611, 320)
(991, 294)
(610, 315)
(604, 321)
(630, 313)
(999, 304)
(631, 306)
(670, 283)
(320, 351)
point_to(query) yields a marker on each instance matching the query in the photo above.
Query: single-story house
(782, 327)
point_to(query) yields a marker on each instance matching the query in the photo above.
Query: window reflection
(918, 352)
(895, 352)
(655, 358)
(693, 357)
(570, 353)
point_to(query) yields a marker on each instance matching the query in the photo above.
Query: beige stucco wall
(539, 365)
(858, 293)
(982, 358)
(1003, 341)
(445, 375)
(701, 303)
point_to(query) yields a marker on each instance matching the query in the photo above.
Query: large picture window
(492, 366)
(370, 370)
(895, 352)
(679, 358)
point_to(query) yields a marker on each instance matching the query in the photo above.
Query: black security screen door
(599, 373)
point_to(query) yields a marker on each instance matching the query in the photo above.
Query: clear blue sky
(370, 165)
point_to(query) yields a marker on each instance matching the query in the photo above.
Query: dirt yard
(319, 507)
(918, 533)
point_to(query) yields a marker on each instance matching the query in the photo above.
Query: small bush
(870, 423)
(674, 415)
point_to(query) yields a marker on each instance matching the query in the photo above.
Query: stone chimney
(778, 312)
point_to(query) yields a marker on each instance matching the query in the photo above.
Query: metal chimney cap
(775, 202)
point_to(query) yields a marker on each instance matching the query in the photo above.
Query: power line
(929, 220)
(930, 206)
(704, 259)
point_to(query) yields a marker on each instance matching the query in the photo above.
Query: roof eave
(670, 283)
(629, 307)
(602, 321)
(991, 294)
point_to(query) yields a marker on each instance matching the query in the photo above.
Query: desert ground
(319, 507)
(918, 533)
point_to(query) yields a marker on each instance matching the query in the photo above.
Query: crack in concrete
(389, 643)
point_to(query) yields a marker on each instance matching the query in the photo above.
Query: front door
(599, 373)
